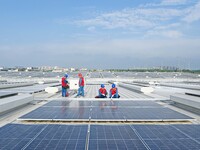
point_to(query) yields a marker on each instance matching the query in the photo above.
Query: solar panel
(130, 114)
(29, 89)
(64, 113)
(68, 103)
(82, 103)
(126, 103)
(21, 136)
(152, 114)
(57, 103)
(113, 137)
(15, 136)
(104, 110)
(18, 136)
(166, 137)
(173, 144)
(7, 94)
(104, 113)
(140, 137)
(61, 137)
(192, 131)
(158, 132)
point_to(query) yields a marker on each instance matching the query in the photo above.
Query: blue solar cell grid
(192, 131)
(16, 136)
(154, 137)
(113, 137)
(61, 137)
(58, 113)
(102, 137)
(126, 103)
(104, 110)
(68, 103)
(107, 114)
(166, 137)
(152, 114)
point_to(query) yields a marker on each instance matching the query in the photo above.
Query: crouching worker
(102, 92)
(114, 92)
(65, 86)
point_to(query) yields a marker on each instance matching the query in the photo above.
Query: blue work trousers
(64, 91)
(81, 91)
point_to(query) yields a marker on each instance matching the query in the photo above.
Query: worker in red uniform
(81, 85)
(102, 92)
(65, 86)
(114, 92)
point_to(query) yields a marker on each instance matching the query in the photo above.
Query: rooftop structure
(167, 117)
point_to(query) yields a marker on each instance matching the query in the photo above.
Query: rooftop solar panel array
(142, 75)
(114, 137)
(192, 131)
(127, 103)
(29, 89)
(18, 136)
(7, 94)
(107, 114)
(95, 75)
(137, 75)
(104, 110)
(39, 74)
(167, 137)
(61, 137)
(102, 137)
(62, 113)
(152, 113)
(68, 104)
(107, 75)
(155, 137)
(13, 136)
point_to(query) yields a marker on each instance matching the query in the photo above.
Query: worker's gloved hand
(103, 94)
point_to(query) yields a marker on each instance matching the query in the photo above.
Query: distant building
(65, 69)
(72, 69)
(57, 70)
(172, 68)
(83, 69)
(46, 68)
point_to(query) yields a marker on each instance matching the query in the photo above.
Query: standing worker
(102, 92)
(81, 85)
(65, 86)
(114, 92)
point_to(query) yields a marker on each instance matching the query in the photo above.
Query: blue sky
(100, 34)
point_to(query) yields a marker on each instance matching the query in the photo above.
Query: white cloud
(166, 19)
(130, 18)
(164, 3)
(174, 2)
(173, 34)
(169, 26)
(193, 14)
(91, 29)
(118, 19)
(160, 13)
